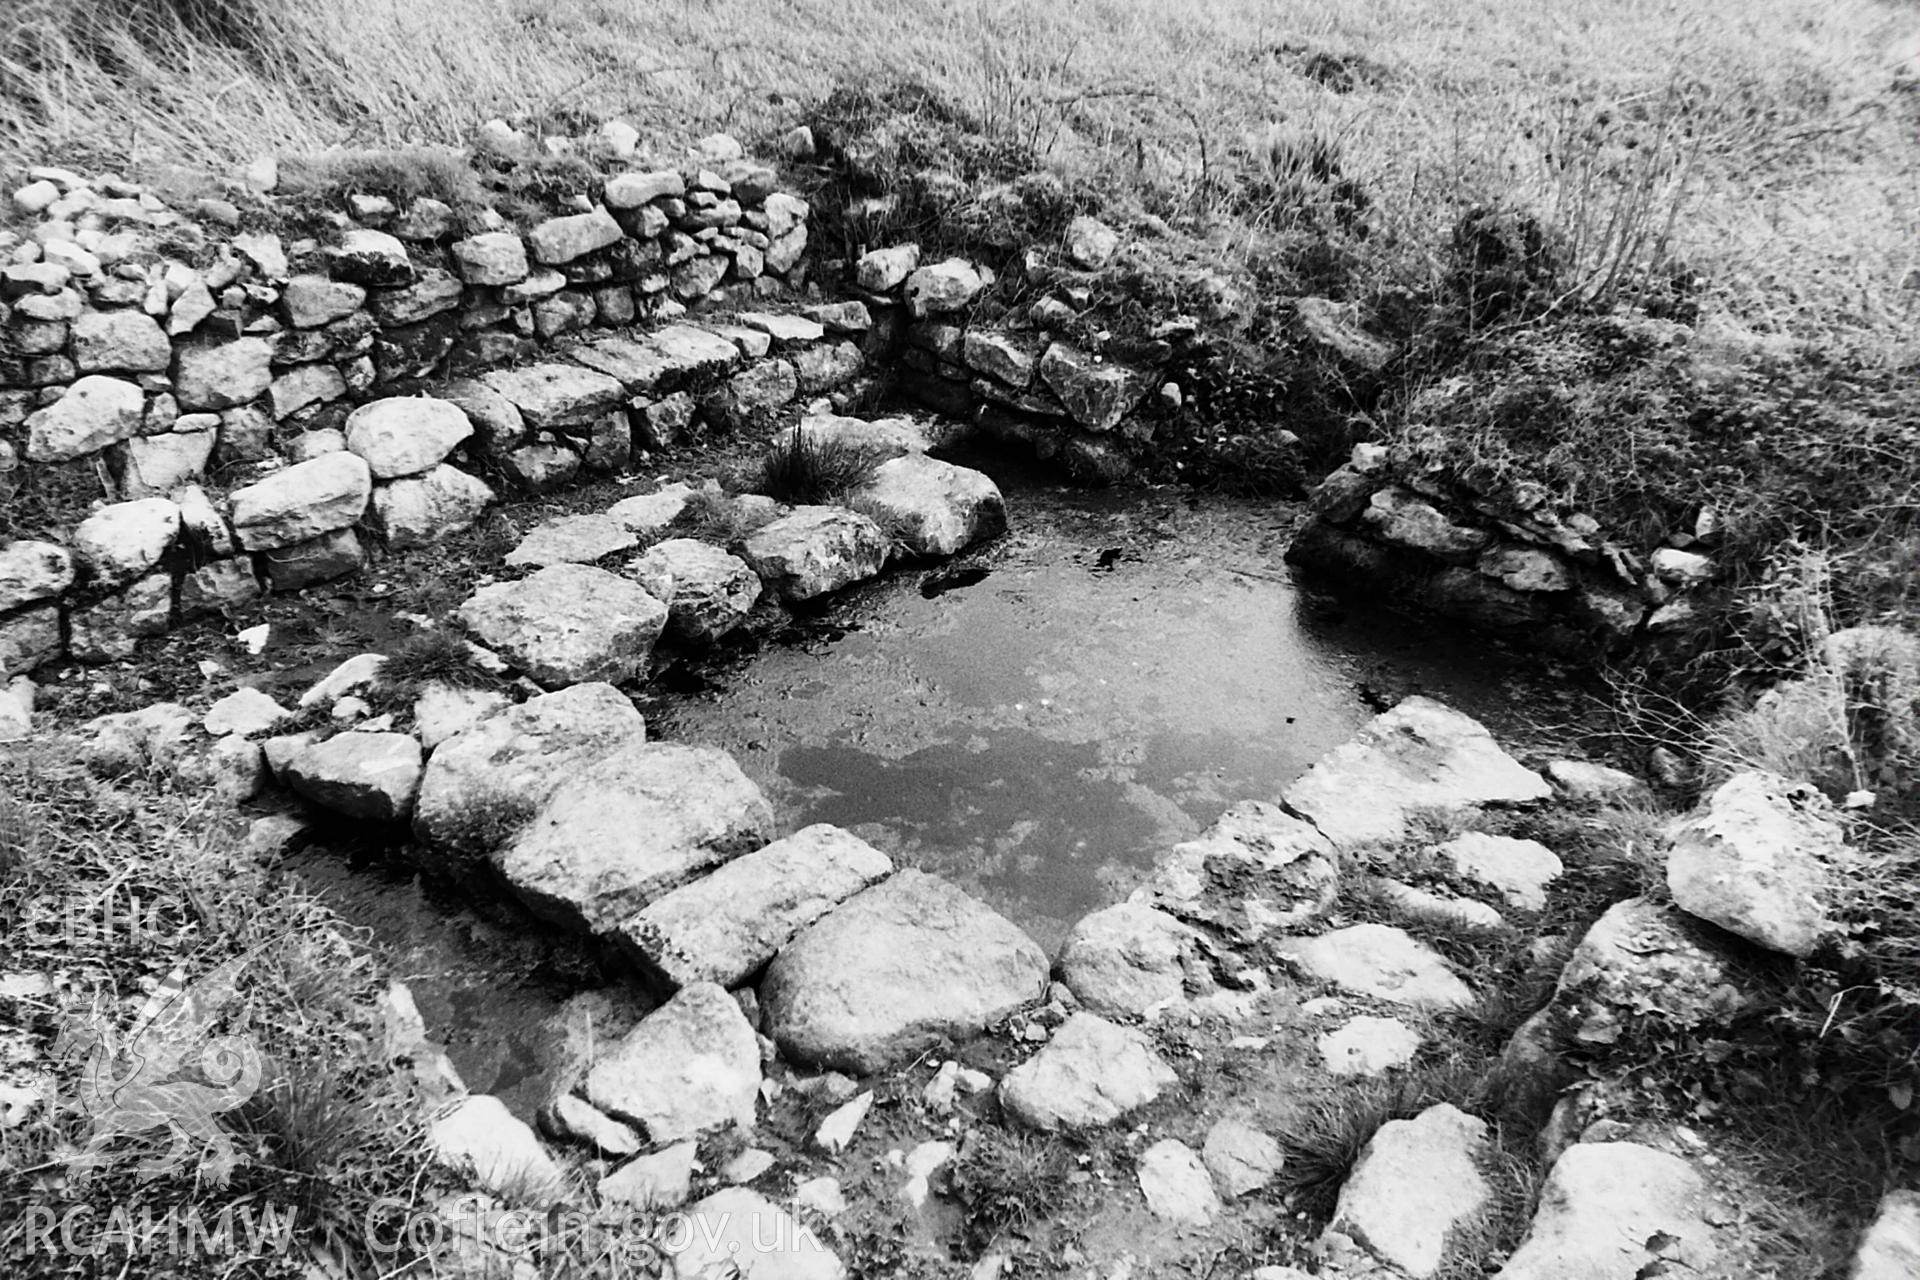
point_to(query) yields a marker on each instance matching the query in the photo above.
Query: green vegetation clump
(806, 468)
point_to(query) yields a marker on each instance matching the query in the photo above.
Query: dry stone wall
(1505, 562)
(192, 413)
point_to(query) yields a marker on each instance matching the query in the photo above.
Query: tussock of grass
(805, 468)
(1007, 1180)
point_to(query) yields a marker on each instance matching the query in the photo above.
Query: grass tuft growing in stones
(807, 469)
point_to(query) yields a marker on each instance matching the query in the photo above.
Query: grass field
(1779, 132)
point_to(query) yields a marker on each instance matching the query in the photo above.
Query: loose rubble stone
(1256, 871)
(1176, 1184)
(934, 507)
(1891, 1248)
(896, 968)
(630, 828)
(124, 541)
(135, 743)
(91, 414)
(444, 711)
(108, 631)
(689, 1067)
(1240, 1157)
(1583, 780)
(1420, 757)
(1635, 953)
(724, 927)
(1762, 857)
(1520, 869)
(1405, 519)
(567, 623)
(1091, 243)
(658, 1181)
(741, 1229)
(579, 539)
(815, 550)
(247, 712)
(483, 781)
(1127, 959)
(1368, 1046)
(1091, 1073)
(418, 511)
(837, 1130)
(1615, 1211)
(1525, 568)
(371, 776)
(1415, 1183)
(1381, 961)
(358, 674)
(649, 513)
(708, 592)
(302, 502)
(31, 571)
(479, 1138)
(999, 355)
(223, 376)
(571, 1118)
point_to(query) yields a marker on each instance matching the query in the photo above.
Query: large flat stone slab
(302, 502)
(1615, 1211)
(1091, 1073)
(568, 623)
(483, 783)
(723, 927)
(894, 969)
(576, 539)
(1257, 870)
(1415, 1183)
(690, 1067)
(1420, 757)
(631, 827)
(553, 397)
(372, 776)
(1381, 961)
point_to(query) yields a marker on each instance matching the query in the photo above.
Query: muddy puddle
(1034, 720)
(1039, 718)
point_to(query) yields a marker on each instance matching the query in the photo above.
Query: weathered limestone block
(708, 592)
(1763, 857)
(561, 240)
(119, 342)
(312, 301)
(406, 435)
(160, 464)
(934, 507)
(29, 638)
(1096, 394)
(223, 376)
(1255, 871)
(491, 258)
(884, 270)
(91, 414)
(483, 781)
(418, 511)
(1615, 1209)
(1126, 960)
(1381, 961)
(32, 571)
(371, 776)
(568, 623)
(553, 397)
(942, 288)
(302, 502)
(815, 550)
(896, 968)
(1416, 1182)
(724, 927)
(630, 827)
(121, 542)
(1405, 519)
(1419, 757)
(368, 257)
(690, 1067)
(323, 558)
(1091, 1073)
(576, 539)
